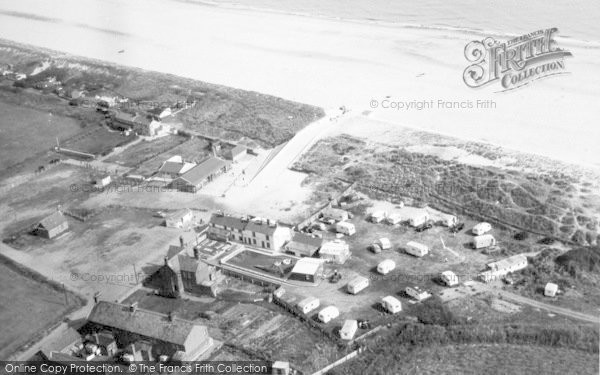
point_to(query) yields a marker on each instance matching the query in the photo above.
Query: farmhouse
(200, 175)
(51, 226)
(236, 153)
(303, 245)
(148, 334)
(179, 219)
(307, 269)
(141, 124)
(336, 251)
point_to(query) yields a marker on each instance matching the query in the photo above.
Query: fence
(312, 218)
(344, 359)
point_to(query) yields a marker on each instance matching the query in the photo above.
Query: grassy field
(26, 132)
(97, 141)
(194, 150)
(142, 151)
(30, 306)
(484, 359)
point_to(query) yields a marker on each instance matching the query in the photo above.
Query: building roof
(187, 263)
(334, 247)
(53, 221)
(237, 150)
(179, 214)
(307, 266)
(228, 221)
(263, 228)
(171, 167)
(508, 262)
(202, 171)
(142, 322)
(306, 240)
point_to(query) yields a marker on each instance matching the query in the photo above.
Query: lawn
(136, 154)
(29, 306)
(97, 141)
(26, 132)
(192, 150)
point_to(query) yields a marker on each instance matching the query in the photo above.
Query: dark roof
(124, 117)
(142, 322)
(263, 228)
(53, 221)
(228, 221)
(171, 167)
(187, 263)
(173, 250)
(306, 239)
(200, 172)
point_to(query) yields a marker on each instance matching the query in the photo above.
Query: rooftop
(203, 170)
(307, 266)
(53, 221)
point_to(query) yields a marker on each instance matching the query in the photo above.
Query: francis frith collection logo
(516, 62)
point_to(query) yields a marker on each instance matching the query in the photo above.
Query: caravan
(308, 304)
(328, 313)
(386, 266)
(357, 284)
(416, 249)
(349, 329)
(345, 227)
(391, 304)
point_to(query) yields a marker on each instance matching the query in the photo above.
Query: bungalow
(174, 167)
(235, 153)
(52, 225)
(303, 245)
(179, 219)
(336, 251)
(200, 175)
(149, 334)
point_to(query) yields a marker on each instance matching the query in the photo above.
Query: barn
(51, 226)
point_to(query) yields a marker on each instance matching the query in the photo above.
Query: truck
(329, 313)
(386, 266)
(391, 304)
(357, 284)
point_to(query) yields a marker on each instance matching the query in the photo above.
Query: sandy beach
(329, 63)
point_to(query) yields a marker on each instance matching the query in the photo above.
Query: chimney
(196, 253)
(166, 261)
(133, 307)
(96, 297)
(96, 338)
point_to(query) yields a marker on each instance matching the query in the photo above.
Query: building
(51, 226)
(357, 284)
(307, 269)
(336, 214)
(236, 153)
(503, 267)
(197, 276)
(226, 228)
(103, 181)
(148, 334)
(141, 124)
(417, 293)
(179, 219)
(174, 167)
(336, 251)
(417, 218)
(303, 245)
(266, 234)
(200, 175)
(416, 249)
(169, 281)
(550, 290)
(377, 217)
(345, 227)
(449, 278)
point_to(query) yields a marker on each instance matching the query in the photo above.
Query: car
(364, 324)
(423, 227)
(457, 228)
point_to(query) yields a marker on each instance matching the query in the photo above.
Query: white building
(481, 228)
(550, 290)
(386, 266)
(391, 304)
(349, 329)
(417, 293)
(329, 313)
(345, 227)
(357, 284)
(336, 251)
(503, 267)
(485, 240)
(416, 249)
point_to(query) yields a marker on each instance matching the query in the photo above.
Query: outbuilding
(52, 225)
(550, 290)
(307, 269)
(349, 329)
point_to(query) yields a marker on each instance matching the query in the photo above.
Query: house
(179, 219)
(174, 167)
(103, 181)
(226, 227)
(416, 249)
(266, 234)
(336, 251)
(236, 153)
(197, 276)
(51, 226)
(377, 217)
(169, 281)
(141, 124)
(200, 175)
(349, 329)
(481, 228)
(150, 333)
(417, 218)
(106, 342)
(503, 267)
(303, 245)
(484, 240)
(550, 290)
(336, 214)
(417, 293)
(307, 269)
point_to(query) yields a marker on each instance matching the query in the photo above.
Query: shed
(307, 269)
(349, 329)
(550, 290)
(335, 251)
(236, 153)
(53, 225)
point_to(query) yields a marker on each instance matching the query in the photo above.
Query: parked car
(457, 228)
(423, 227)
